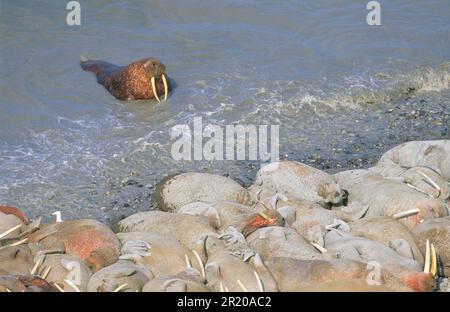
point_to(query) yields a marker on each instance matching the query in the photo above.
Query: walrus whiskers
(202, 267)
(426, 268)
(154, 88)
(242, 286)
(10, 231)
(258, 279)
(166, 86)
(121, 287)
(72, 284)
(407, 213)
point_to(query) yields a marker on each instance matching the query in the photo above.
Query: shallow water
(342, 92)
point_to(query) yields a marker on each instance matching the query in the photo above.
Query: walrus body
(142, 80)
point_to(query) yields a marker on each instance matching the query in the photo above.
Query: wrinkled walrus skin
(132, 82)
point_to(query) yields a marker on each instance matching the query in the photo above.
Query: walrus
(120, 276)
(245, 219)
(329, 275)
(85, 239)
(408, 271)
(142, 80)
(161, 254)
(432, 154)
(185, 228)
(277, 241)
(16, 260)
(188, 280)
(296, 180)
(24, 283)
(390, 197)
(226, 272)
(390, 232)
(176, 191)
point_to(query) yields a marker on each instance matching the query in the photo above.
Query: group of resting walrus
(296, 228)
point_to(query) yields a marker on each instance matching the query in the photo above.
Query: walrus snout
(155, 67)
(157, 73)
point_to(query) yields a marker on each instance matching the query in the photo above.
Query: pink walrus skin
(85, 239)
(408, 271)
(15, 211)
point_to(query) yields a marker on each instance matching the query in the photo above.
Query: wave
(384, 88)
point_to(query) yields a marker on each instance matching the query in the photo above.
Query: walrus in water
(142, 80)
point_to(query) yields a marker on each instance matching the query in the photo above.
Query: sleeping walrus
(142, 80)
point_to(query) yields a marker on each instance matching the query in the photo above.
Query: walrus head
(157, 71)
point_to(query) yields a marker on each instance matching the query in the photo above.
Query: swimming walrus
(142, 80)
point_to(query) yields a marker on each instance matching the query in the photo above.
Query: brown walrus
(142, 80)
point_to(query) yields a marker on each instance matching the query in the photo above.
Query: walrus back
(98, 66)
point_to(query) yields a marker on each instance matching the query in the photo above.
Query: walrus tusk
(407, 213)
(188, 262)
(120, 287)
(72, 284)
(242, 286)
(221, 287)
(258, 279)
(418, 190)
(10, 230)
(262, 214)
(199, 262)
(15, 244)
(18, 242)
(154, 88)
(319, 248)
(429, 180)
(433, 268)
(36, 266)
(274, 200)
(46, 272)
(166, 86)
(426, 268)
(58, 287)
(8, 290)
(266, 217)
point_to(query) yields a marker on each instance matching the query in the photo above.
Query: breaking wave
(384, 88)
